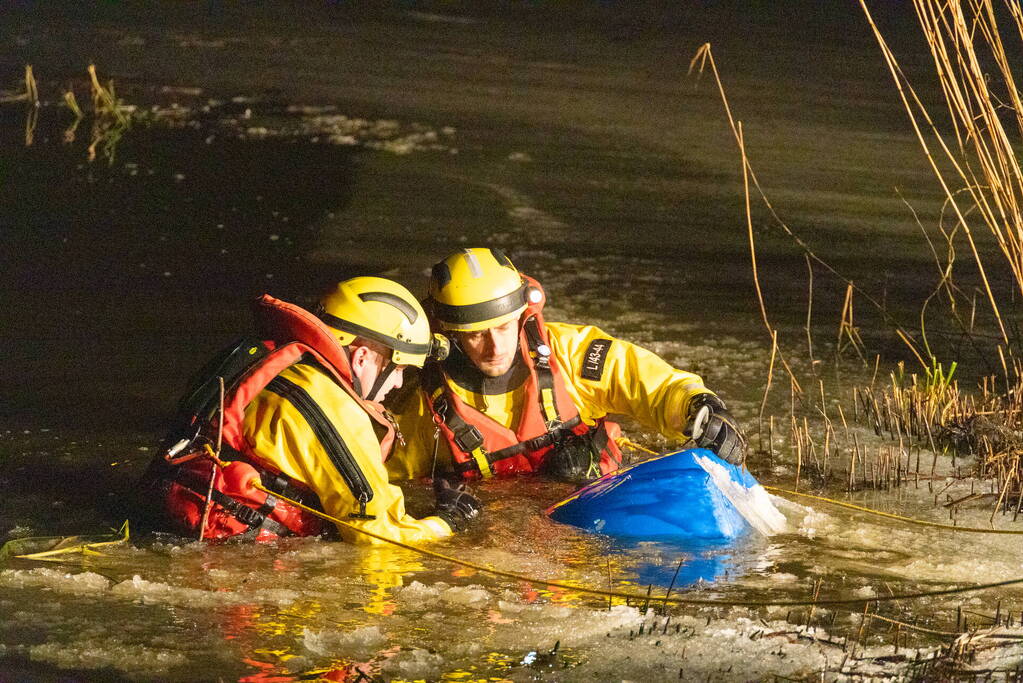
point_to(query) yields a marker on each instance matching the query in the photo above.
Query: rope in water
(634, 596)
(859, 508)
(889, 515)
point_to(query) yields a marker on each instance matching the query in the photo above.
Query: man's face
(367, 364)
(492, 350)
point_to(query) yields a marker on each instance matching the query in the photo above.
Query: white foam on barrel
(753, 503)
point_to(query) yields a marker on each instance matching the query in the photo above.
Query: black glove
(712, 427)
(455, 505)
(572, 459)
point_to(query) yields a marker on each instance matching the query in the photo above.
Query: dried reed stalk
(985, 176)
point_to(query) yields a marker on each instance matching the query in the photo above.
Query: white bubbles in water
(82, 583)
(414, 664)
(361, 642)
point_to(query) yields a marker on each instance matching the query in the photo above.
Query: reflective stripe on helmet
(360, 331)
(473, 263)
(405, 307)
(485, 310)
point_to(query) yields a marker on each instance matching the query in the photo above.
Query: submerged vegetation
(111, 117)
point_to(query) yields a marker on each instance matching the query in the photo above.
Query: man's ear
(358, 357)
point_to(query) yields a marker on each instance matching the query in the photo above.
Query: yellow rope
(622, 441)
(86, 548)
(212, 455)
(632, 596)
(889, 515)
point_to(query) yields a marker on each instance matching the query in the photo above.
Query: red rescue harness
(291, 334)
(481, 447)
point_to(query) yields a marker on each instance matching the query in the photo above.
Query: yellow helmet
(475, 289)
(385, 312)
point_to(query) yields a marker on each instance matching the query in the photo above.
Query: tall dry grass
(971, 146)
(972, 151)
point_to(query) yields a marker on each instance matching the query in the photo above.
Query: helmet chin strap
(377, 385)
(380, 381)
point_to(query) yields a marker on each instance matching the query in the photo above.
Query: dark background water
(579, 141)
(583, 147)
(630, 158)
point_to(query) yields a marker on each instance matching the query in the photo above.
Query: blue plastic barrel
(669, 498)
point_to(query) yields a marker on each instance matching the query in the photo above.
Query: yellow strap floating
(622, 441)
(84, 548)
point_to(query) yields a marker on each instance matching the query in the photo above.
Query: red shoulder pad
(283, 322)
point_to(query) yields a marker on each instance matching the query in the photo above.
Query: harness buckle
(361, 514)
(469, 439)
(247, 515)
(440, 408)
(394, 424)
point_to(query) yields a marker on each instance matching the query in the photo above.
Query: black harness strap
(283, 486)
(469, 439)
(256, 520)
(381, 378)
(541, 354)
(537, 442)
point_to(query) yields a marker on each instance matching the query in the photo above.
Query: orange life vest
(290, 335)
(481, 447)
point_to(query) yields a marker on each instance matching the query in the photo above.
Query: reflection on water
(149, 262)
(383, 569)
(302, 608)
(110, 117)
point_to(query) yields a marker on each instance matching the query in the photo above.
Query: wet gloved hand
(712, 427)
(572, 460)
(455, 505)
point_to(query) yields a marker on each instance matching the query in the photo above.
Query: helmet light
(440, 347)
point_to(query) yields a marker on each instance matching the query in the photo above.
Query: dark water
(568, 134)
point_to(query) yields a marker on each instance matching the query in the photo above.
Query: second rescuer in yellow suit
(326, 430)
(299, 414)
(282, 437)
(634, 382)
(485, 305)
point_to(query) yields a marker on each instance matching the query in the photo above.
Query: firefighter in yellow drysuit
(303, 416)
(518, 395)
